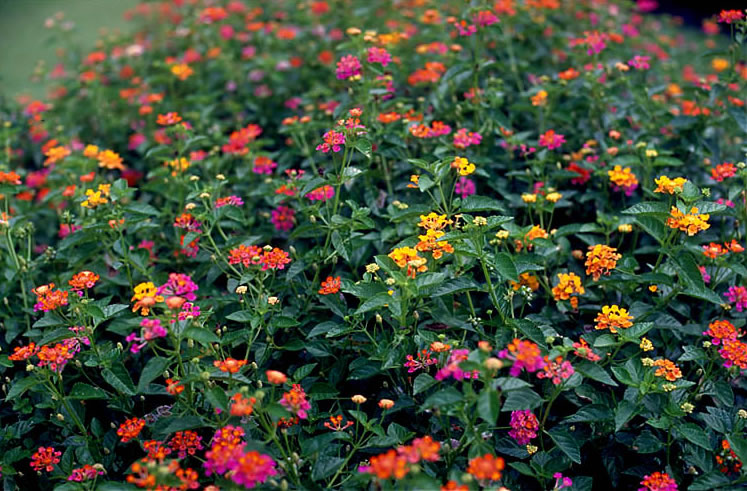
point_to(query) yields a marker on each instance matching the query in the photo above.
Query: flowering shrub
(467, 244)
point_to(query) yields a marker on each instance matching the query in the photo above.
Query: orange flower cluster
(723, 171)
(487, 467)
(407, 256)
(10, 178)
(434, 225)
(329, 286)
(528, 280)
(83, 280)
(692, 223)
(613, 318)
(130, 429)
(229, 365)
(110, 160)
(335, 423)
(430, 74)
(242, 406)
(49, 299)
(622, 178)
(569, 285)
(144, 472)
(397, 463)
(714, 250)
(728, 461)
(667, 369)
(669, 186)
(600, 260)
(174, 387)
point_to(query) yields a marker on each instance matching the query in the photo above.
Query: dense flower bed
(359, 244)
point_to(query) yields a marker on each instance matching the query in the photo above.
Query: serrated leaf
(443, 397)
(567, 443)
(506, 267)
(325, 466)
(375, 302)
(694, 434)
(595, 372)
(520, 399)
(82, 391)
(118, 377)
(623, 413)
(152, 370)
(422, 382)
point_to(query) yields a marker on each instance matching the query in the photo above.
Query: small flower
(486, 468)
(600, 260)
(130, 429)
(692, 223)
(613, 317)
(229, 365)
(658, 481)
(551, 140)
(330, 285)
(646, 345)
(386, 403)
(276, 377)
(358, 399)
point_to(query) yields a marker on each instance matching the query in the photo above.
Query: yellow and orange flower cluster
(613, 318)
(408, 257)
(486, 468)
(692, 223)
(434, 225)
(669, 186)
(528, 280)
(398, 463)
(146, 297)
(463, 166)
(622, 177)
(98, 197)
(600, 260)
(568, 287)
(667, 369)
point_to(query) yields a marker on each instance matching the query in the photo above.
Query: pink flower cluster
(451, 369)
(378, 55)
(321, 194)
(348, 66)
(738, 296)
(229, 201)
(524, 426)
(179, 285)
(332, 141)
(465, 187)
(557, 370)
(283, 218)
(464, 138)
(151, 329)
(227, 455)
(551, 140)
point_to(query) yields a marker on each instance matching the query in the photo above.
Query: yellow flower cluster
(667, 185)
(98, 197)
(692, 223)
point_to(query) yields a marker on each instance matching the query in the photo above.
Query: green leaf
(152, 370)
(648, 208)
(217, 397)
(325, 466)
(506, 267)
(695, 434)
(119, 378)
(363, 146)
(201, 335)
(284, 322)
(567, 443)
(488, 405)
(240, 316)
(703, 293)
(624, 413)
(20, 387)
(593, 412)
(480, 203)
(456, 285)
(81, 391)
(375, 302)
(595, 372)
(520, 399)
(422, 382)
(444, 397)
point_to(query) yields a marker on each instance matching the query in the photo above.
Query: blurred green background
(24, 39)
